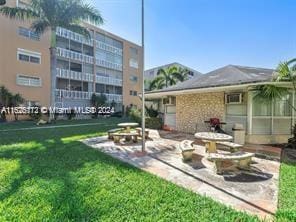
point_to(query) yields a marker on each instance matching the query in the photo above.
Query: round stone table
(127, 126)
(211, 138)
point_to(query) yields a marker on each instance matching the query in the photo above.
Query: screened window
(28, 33)
(28, 81)
(28, 56)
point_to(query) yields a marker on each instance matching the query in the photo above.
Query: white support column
(249, 112)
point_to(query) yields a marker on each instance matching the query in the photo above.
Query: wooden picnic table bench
(223, 161)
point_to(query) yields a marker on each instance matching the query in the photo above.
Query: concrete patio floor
(252, 191)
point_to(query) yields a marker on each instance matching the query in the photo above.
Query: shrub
(135, 115)
(36, 114)
(150, 112)
(71, 114)
(153, 123)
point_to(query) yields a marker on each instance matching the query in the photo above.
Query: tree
(2, 2)
(97, 101)
(47, 15)
(285, 72)
(7, 99)
(168, 77)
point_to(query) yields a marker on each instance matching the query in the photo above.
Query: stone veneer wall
(193, 109)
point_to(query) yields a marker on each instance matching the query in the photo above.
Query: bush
(153, 123)
(151, 112)
(135, 115)
(71, 115)
(36, 114)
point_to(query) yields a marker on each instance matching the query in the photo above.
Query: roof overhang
(160, 94)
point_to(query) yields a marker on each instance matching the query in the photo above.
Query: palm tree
(168, 77)
(47, 15)
(285, 72)
(2, 2)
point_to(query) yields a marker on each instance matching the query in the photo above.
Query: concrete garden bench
(225, 161)
(233, 146)
(187, 149)
(139, 131)
(112, 131)
(128, 137)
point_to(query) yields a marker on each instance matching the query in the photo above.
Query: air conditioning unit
(233, 98)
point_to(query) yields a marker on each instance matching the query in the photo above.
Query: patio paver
(254, 192)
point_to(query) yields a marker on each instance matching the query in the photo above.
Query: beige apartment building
(105, 64)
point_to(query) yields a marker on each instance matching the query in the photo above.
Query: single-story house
(227, 93)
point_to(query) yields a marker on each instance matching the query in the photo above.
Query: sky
(206, 34)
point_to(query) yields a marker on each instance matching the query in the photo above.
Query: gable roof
(225, 76)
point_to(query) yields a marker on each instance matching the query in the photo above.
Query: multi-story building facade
(152, 73)
(105, 64)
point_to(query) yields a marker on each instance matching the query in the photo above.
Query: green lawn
(287, 196)
(47, 174)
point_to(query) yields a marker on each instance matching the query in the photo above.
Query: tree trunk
(53, 70)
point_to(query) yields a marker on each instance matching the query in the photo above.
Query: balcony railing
(73, 36)
(74, 55)
(109, 80)
(106, 47)
(68, 74)
(110, 97)
(109, 65)
(68, 94)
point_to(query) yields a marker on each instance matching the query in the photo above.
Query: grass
(49, 175)
(287, 195)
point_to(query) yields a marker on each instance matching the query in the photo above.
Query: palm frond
(78, 29)
(90, 13)
(268, 93)
(18, 13)
(40, 26)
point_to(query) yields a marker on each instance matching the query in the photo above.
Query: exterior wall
(267, 139)
(10, 41)
(127, 72)
(193, 109)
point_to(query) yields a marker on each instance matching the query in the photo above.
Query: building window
(133, 93)
(133, 78)
(133, 61)
(28, 33)
(24, 80)
(28, 56)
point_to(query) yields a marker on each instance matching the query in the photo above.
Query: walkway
(255, 192)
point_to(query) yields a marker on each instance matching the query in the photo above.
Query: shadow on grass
(50, 173)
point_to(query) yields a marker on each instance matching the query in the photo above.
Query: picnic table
(211, 139)
(127, 126)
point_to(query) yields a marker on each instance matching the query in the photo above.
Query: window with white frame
(28, 33)
(25, 80)
(28, 56)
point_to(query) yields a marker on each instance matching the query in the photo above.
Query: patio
(255, 191)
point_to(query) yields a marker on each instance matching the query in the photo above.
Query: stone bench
(233, 146)
(139, 131)
(187, 149)
(223, 161)
(112, 131)
(127, 136)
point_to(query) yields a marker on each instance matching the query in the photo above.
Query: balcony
(65, 53)
(111, 97)
(73, 36)
(67, 94)
(109, 48)
(109, 81)
(68, 74)
(109, 65)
